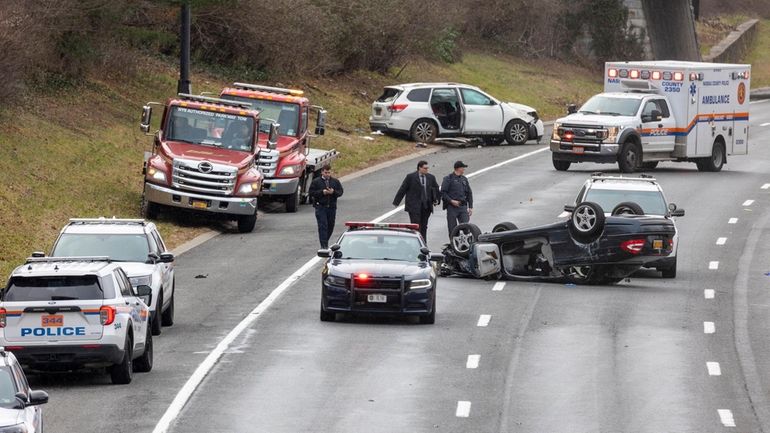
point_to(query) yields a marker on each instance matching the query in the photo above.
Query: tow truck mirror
(320, 127)
(272, 138)
(37, 397)
(571, 109)
(324, 253)
(146, 119)
(166, 258)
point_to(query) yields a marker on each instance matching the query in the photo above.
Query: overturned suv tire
(587, 222)
(463, 237)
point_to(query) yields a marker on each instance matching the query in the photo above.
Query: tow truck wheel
(629, 157)
(294, 200)
(516, 132)
(560, 165)
(149, 210)
(123, 373)
(143, 364)
(246, 223)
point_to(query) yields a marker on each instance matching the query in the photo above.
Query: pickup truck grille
(203, 177)
(267, 161)
(584, 134)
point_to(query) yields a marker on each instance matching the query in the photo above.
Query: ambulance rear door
(741, 114)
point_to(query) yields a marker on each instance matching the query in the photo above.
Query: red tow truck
(204, 158)
(288, 164)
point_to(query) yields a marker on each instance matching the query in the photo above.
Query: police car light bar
(359, 225)
(67, 259)
(103, 220)
(281, 90)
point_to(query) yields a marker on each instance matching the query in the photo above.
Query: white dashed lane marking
(563, 214)
(726, 416)
(498, 286)
(714, 265)
(766, 186)
(484, 320)
(709, 328)
(473, 361)
(708, 293)
(765, 124)
(732, 221)
(748, 202)
(721, 241)
(713, 368)
(463, 409)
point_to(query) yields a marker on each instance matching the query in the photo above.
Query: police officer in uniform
(457, 197)
(324, 192)
(421, 191)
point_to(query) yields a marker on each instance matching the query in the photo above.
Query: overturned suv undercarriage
(587, 248)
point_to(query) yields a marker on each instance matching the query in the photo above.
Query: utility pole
(183, 85)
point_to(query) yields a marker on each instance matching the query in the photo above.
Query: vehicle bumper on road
(187, 200)
(276, 186)
(341, 300)
(67, 357)
(603, 153)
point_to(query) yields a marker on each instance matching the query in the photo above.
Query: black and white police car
(20, 410)
(63, 314)
(377, 268)
(641, 195)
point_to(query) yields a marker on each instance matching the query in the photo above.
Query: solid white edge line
(721, 241)
(732, 221)
(709, 293)
(709, 328)
(748, 203)
(714, 265)
(473, 361)
(463, 409)
(484, 320)
(563, 214)
(726, 416)
(500, 285)
(713, 369)
(187, 390)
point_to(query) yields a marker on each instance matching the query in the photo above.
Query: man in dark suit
(421, 191)
(324, 192)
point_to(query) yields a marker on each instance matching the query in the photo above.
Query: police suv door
(483, 114)
(136, 308)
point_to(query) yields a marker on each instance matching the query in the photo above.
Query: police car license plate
(199, 204)
(657, 244)
(578, 149)
(52, 320)
(377, 298)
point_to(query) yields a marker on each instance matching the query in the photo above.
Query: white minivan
(426, 111)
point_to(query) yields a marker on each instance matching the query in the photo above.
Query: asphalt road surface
(646, 355)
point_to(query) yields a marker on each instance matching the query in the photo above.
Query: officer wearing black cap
(457, 197)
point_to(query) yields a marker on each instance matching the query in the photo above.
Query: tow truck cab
(203, 158)
(659, 111)
(288, 164)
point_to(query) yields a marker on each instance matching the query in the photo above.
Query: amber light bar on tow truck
(280, 90)
(368, 225)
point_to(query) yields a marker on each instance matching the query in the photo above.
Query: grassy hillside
(78, 152)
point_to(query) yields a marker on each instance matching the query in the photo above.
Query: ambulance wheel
(629, 157)
(143, 364)
(463, 237)
(516, 132)
(246, 223)
(650, 165)
(561, 165)
(717, 159)
(123, 373)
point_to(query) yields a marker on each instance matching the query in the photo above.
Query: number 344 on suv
(427, 111)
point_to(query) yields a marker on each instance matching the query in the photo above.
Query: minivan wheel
(424, 131)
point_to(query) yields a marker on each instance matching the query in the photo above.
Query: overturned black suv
(587, 248)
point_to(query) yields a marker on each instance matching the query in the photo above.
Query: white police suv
(139, 248)
(20, 410)
(76, 312)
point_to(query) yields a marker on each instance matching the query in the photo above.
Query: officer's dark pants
(421, 218)
(455, 215)
(325, 217)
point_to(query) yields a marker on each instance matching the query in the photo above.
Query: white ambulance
(656, 111)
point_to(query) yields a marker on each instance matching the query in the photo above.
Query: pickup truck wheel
(155, 322)
(587, 222)
(123, 373)
(167, 317)
(148, 209)
(143, 364)
(629, 157)
(560, 165)
(463, 237)
(717, 159)
(294, 200)
(424, 131)
(516, 132)
(246, 223)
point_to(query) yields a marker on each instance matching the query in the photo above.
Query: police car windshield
(57, 288)
(611, 106)
(651, 202)
(7, 389)
(380, 247)
(118, 247)
(285, 113)
(210, 128)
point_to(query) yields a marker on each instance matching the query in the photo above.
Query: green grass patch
(759, 56)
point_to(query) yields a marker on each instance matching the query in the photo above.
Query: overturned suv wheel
(587, 222)
(463, 237)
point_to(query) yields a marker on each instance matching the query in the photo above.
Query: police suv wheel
(463, 237)
(516, 132)
(123, 373)
(154, 324)
(167, 317)
(143, 364)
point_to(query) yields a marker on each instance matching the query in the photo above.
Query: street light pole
(183, 85)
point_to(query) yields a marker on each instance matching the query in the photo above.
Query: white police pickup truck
(76, 312)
